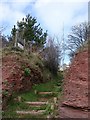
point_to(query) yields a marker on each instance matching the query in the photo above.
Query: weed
(48, 109)
(27, 71)
(5, 92)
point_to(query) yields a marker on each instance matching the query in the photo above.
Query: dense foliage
(28, 30)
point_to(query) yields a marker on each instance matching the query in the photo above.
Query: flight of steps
(48, 109)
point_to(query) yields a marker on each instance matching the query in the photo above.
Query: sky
(53, 15)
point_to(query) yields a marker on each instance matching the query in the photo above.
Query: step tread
(36, 112)
(44, 93)
(36, 103)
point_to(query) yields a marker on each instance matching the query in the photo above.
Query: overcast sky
(51, 14)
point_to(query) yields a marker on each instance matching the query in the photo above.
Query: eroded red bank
(75, 102)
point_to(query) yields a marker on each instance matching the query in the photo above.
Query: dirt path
(69, 112)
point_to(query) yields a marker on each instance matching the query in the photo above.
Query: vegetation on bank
(25, 71)
(54, 86)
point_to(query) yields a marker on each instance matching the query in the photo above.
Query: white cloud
(54, 13)
(11, 11)
(11, 8)
(40, 2)
(20, 5)
(51, 13)
(9, 15)
(12, 1)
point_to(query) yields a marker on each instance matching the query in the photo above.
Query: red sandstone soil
(76, 88)
(13, 77)
(11, 70)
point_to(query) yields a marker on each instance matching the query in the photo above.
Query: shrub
(27, 72)
(17, 49)
(5, 92)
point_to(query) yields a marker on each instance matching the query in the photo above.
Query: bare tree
(3, 38)
(77, 38)
(52, 56)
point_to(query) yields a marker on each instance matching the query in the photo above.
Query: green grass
(51, 86)
(33, 117)
(46, 87)
(29, 96)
